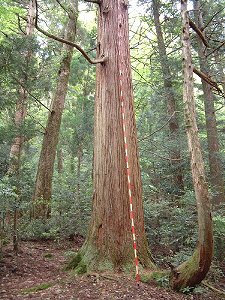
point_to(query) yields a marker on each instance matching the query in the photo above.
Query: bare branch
(35, 98)
(207, 79)
(5, 34)
(63, 7)
(56, 38)
(19, 25)
(207, 24)
(217, 48)
(160, 128)
(95, 61)
(199, 32)
(94, 1)
(37, 122)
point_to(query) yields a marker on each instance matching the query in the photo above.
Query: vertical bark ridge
(43, 186)
(215, 164)
(109, 242)
(21, 104)
(175, 153)
(193, 271)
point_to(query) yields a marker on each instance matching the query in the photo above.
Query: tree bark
(21, 104)
(175, 156)
(43, 187)
(20, 115)
(215, 164)
(109, 242)
(193, 271)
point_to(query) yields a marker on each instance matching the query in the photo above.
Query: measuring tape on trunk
(121, 81)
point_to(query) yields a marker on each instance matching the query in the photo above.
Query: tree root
(221, 292)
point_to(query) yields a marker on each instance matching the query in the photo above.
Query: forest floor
(37, 273)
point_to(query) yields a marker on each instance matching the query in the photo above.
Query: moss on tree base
(88, 260)
(77, 264)
(160, 277)
(191, 272)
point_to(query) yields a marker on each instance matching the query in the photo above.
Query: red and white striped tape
(121, 79)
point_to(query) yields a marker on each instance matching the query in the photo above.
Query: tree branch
(199, 32)
(215, 49)
(19, 25)
(160, 128)
(63, 7)
(30, 93)
(207, 79)
(210, 20)
(213, 288)
(99, 2)
(56, 38)
(37, 122)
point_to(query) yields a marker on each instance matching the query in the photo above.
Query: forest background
(30, 69)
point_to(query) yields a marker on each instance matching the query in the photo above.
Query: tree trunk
(215, 164)
(193, 271)
(21, 104)
(43, 186)
(109, 242)
(175, 156)
(20, 115)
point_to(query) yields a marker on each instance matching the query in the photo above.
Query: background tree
(194, 270)
(215, 164)
(170, 225)
(43, 185)
(175, 156)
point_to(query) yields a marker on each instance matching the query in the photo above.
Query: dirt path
(37, 273)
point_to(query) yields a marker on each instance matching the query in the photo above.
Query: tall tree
(20, 115)
(194, 270)
(21, 104)
(215, 164)
(175, 156)
(109, 241)
(43, 185)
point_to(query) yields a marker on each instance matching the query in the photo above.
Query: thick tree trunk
(215, 164)
(193, 271)
(43, 186)
(109, 242)
(21, 104)
(175, 156)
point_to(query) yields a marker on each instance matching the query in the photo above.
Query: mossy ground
(160, 277)
(77, 264)
(37, 288)
(24, 282)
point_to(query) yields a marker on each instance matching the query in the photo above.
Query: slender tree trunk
(109, 242)
(193, 271)
(43, 186)
(175, 156)
(20, 115)
(215, 164)
(21, 104)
